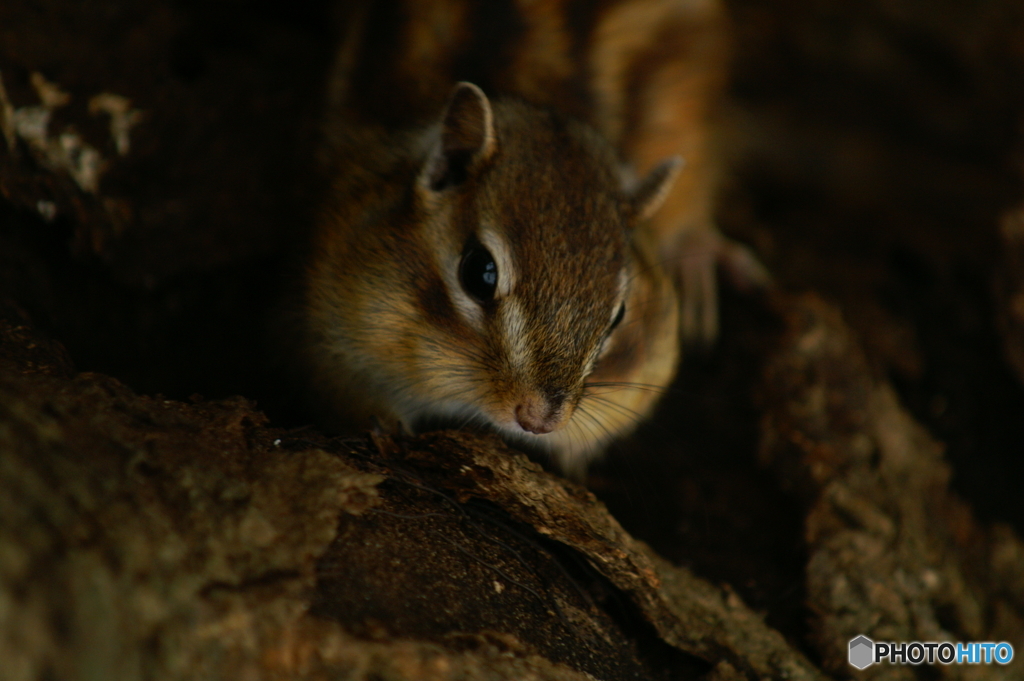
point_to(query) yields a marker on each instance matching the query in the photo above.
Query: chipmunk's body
(484, 257)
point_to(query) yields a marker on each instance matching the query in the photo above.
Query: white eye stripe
(620, 305)
(516, 342)
(468, 308)
(502, 254)
(620, 300)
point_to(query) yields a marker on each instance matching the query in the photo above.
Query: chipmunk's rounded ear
(648, 194)
(466, 138)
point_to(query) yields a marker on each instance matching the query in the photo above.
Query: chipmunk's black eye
(618, 317)
(478, 273)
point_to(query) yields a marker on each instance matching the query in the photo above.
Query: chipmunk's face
(559, 336)
(517, 293)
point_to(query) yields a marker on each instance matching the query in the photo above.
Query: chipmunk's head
(519, 291)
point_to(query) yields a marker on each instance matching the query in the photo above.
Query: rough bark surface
(149, 538)
(893, 554)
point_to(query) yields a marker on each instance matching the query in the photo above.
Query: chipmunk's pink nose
(534, 416)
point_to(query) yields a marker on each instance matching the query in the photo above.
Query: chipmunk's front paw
(699, 256)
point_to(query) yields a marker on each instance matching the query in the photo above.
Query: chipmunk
(518, 188)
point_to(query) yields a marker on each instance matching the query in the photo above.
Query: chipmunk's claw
(700, 256)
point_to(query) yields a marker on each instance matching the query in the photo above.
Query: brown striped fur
(578, 91)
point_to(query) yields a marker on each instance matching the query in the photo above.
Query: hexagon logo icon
(862, 652)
